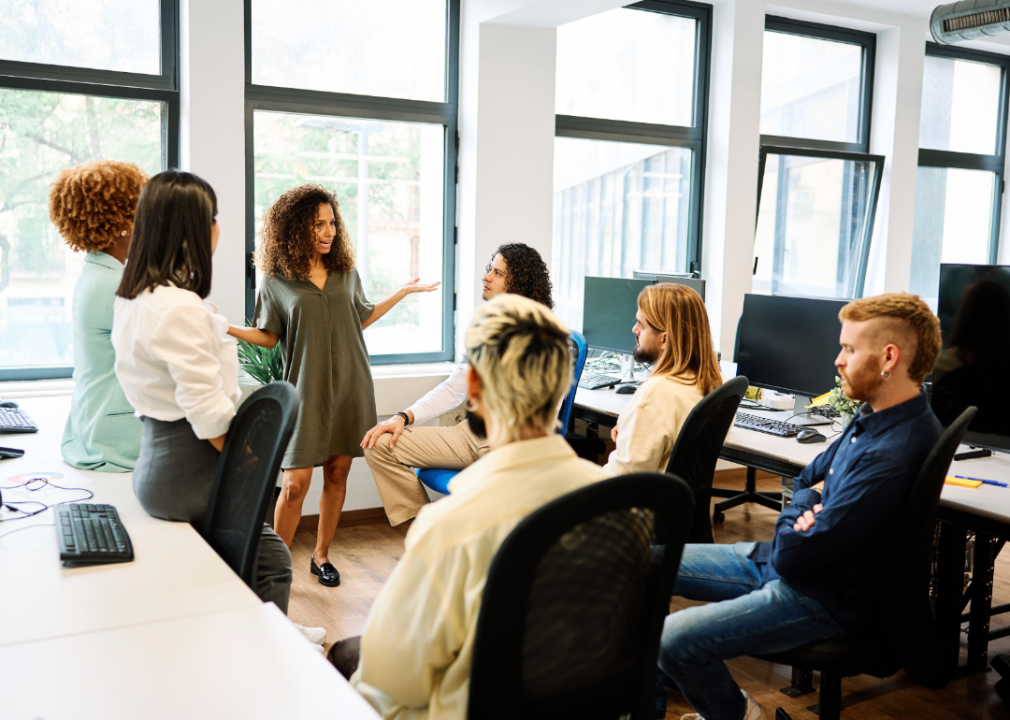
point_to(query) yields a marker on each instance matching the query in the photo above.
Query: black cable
(11, 532)
(41, 483)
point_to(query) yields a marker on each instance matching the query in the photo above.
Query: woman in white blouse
(176, 363)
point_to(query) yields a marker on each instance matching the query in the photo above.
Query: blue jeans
(751, 618)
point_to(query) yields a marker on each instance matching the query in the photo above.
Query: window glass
(812, 223)
(40, 134)
(627, 65)
(123, 35)
(953, 217)
(960, 106)
(810, 88)
(389, 49)
(618, 207)
(388, 178)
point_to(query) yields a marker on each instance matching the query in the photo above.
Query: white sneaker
(754, 710)
(692, 716)
(320, 648)
(314, 635)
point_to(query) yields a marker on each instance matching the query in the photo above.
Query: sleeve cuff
(212, 425)
(806, 498)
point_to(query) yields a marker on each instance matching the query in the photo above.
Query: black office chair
(247, 474)
(575, 600)
(903, 636)
(697, 450)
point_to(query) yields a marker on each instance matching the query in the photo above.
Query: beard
(644, 355)
(476, 425)
(862, 384)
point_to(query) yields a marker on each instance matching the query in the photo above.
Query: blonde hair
(519, 350)
(92, 205)
(688, 354)
(908, 323)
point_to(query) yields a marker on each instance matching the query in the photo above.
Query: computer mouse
(9, 404)
(627, 389)
(809, 436)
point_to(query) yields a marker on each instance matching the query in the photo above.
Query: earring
(123, 233)
(470, 405)
(885, 374)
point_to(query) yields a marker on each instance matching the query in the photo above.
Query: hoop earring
(470, 405)
(885, 374)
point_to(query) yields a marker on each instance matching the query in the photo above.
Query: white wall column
(213, 132)
(731, 174)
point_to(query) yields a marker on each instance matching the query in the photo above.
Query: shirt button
(853, 439)
(831, 471)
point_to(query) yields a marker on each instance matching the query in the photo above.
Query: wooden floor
(366, 554)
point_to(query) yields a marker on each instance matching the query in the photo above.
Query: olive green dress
(325, 358)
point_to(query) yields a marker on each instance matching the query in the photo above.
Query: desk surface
(987, 501)
(175, 573)
(241, 663)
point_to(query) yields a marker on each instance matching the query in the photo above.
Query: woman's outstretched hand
(416, 286)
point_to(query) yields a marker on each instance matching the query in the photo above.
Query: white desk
(175, 573)
(237, 664)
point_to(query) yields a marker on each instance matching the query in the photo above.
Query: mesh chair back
(578, 349)
(696, 450)
(575, 600)
(247, 474)
(907, 619)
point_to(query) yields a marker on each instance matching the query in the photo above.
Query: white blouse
(175, 359)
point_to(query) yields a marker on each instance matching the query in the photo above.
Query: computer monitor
(789, 344)
(608, 313)
(687, 279)
(974, 311)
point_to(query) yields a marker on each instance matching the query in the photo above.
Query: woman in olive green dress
(312, 302)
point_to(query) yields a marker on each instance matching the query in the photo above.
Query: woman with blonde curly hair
(313, 303)
(93, 207)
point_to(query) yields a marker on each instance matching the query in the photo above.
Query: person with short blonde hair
(673, 335)
(417, 647)
(93, 207)
(817, 578)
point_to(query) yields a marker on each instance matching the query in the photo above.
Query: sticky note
(951, 480)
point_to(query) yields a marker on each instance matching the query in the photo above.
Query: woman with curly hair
(313, 303)
(93, 207)
(397, 445)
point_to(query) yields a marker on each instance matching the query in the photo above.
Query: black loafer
(328, 574)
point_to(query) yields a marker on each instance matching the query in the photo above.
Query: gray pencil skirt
(172, 481)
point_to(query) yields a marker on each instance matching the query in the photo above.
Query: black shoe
(328, 574)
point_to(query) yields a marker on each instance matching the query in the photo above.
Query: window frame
(994, 163)
(832, 149)
(368, 107)
(70, 80)
(694, 137)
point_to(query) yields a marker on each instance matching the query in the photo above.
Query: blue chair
(438, 478)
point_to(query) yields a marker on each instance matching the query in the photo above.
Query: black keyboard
(766, 425)
(13, 420)
(91, 534)
(595, 381)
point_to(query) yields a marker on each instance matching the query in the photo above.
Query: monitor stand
(800, 406)
(628, 369)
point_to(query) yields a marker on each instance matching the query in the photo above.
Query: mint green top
(102, 432)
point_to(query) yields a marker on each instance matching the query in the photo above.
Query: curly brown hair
(526, 273)
(93, 205)
(287, 237)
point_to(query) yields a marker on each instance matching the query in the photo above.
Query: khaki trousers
(402, 493)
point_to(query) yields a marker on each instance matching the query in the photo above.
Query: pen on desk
(987, 482)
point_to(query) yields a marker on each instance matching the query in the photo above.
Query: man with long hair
(395, 446)
(674, 337)
(816, 578)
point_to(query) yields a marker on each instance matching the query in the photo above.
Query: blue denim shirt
(868, 472)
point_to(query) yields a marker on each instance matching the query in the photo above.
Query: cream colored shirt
(648, 427)
(417, 646)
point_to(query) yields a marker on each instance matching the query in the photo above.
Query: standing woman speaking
(312, 302)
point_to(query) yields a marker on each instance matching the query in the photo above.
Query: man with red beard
(812, 581)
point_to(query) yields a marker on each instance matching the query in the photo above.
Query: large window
(79, 81)
(818, 183)
(372, 117)
(962, 140)
(629, 157)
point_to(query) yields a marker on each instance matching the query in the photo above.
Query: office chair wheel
(1001, 664)
(718, 518)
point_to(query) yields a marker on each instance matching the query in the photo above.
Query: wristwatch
(406, 420)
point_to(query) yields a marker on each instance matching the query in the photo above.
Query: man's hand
(394, 425)
(807, 519)
(819, 487)
(613, 434)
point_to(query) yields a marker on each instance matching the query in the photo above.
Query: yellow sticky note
(951, 480)
(820, 400)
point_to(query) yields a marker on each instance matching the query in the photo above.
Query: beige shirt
(417, 646)
(648, 427)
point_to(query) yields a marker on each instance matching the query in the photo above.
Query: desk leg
(950, 592)
(981, 602)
